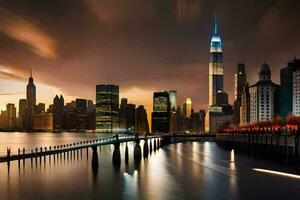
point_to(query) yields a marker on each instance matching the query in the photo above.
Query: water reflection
(95, 163)
(178, 171)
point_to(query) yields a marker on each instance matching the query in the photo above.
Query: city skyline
(53, 50)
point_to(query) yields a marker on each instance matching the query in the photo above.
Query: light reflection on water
(179, 171)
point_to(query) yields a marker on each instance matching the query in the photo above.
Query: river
(191, 170)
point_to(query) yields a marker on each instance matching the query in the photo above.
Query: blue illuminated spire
(216, 31)
(216, 42)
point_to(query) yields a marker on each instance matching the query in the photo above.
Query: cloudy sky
(141, 45)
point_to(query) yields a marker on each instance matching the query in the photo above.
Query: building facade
(107, 107)
(240, 82)
(142, 125)
(245, 106)
(263, 97)
(289, 81)
(58, 112)
(161, 112)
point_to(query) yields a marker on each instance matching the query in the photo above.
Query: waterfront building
(240, 82)
(107, 107)
(58, 112)
(70, 116)
(81, 114)
(30, 102)
(42, 121)
(11, 114)
(195, 122)
(215, 65)
(219, 117)
(264, 97)
(161, 112)
(290, 87)
(142, 125)
(22, 114)
(91, 115)
(122, 115)
(130, 118)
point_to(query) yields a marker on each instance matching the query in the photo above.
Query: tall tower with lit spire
(215, 65)
(31, 102)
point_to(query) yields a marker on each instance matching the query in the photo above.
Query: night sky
(141, 45)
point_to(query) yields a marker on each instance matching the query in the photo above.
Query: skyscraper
(173, 99)
(22, 113)
(240, 82)
(130, 118)
(11, 115)
(245, 106)
(58, 112)
(107, 107)
(220, 112)
(215, 65)
(30, 102)
(188, 104)
(122, 115)
(161, 112)
(142, 126)
(81, 114)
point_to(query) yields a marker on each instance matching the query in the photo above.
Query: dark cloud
(151, 44)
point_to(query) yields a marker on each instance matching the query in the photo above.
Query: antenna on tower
(216, 23)
(30, 72)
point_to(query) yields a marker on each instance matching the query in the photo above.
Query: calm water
(179, 171)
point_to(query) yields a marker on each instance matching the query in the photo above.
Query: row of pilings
(149, 146)
(277, 146)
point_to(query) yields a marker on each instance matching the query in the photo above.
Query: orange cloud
(17, 28)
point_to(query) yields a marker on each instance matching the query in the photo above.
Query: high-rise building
(142, 126)
(290, 86)
(188, 104)
(11, 115)
(220, 112)
(122, 115)
(22, 113)
(58, 112)
(30, 102)
(245, 106)
(91, 115)
(130, 118)
(81, 113)
(215, 65)
(263, 97)
(240, 82)
(107, 107)
(173, 100)
(161, 112)
(70, 116)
